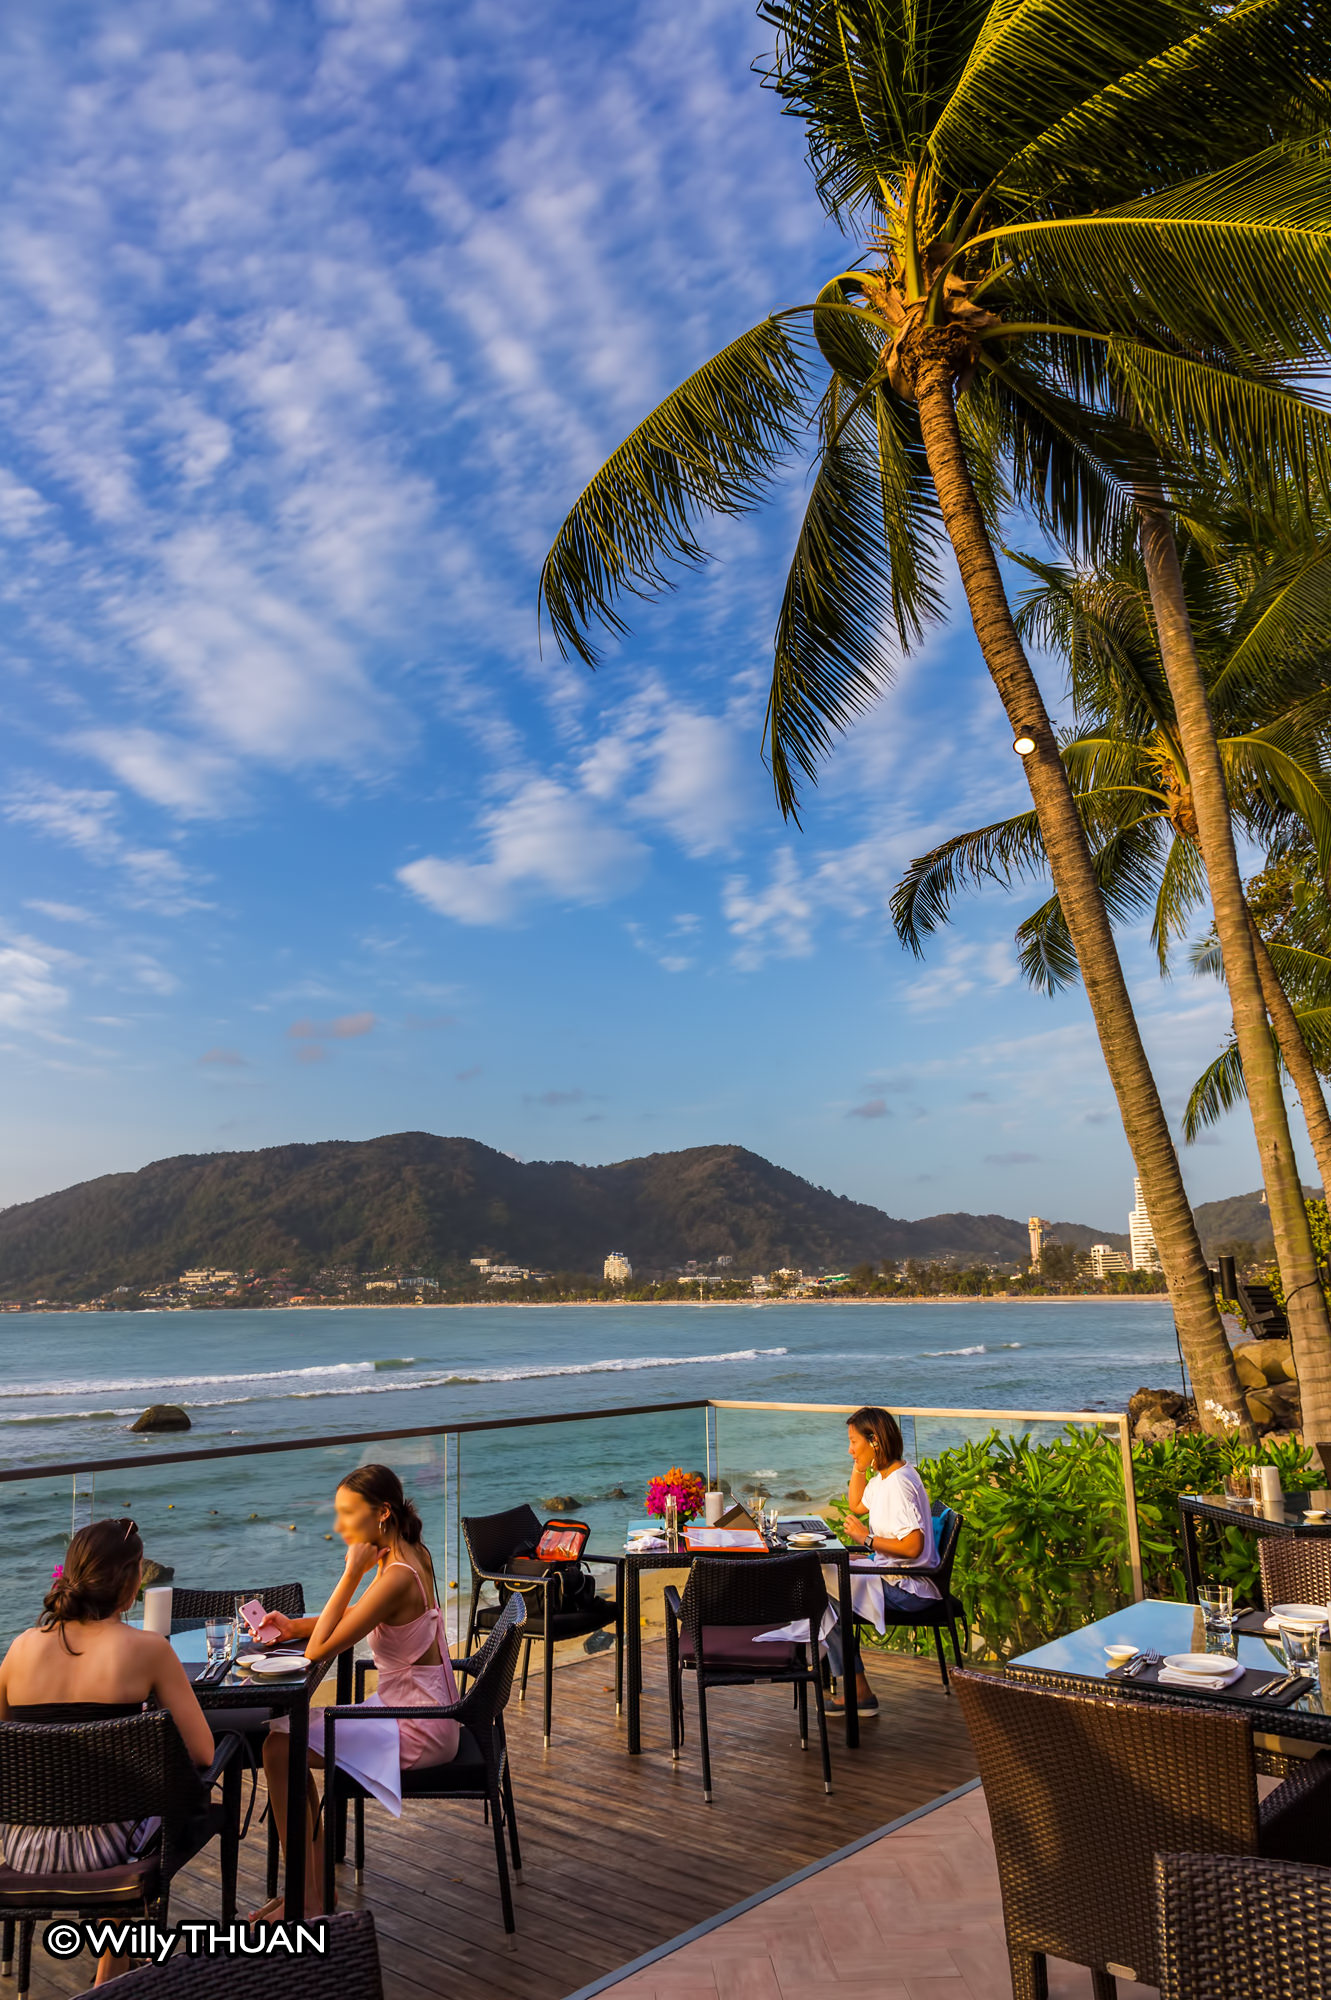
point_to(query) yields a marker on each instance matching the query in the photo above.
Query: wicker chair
(479, 1772)
(1294, 1572)
(936, 1614)
(348, 1970)
(97, 1773)
(1084, 1789)
(1235, 1929)
(714, 1630)
(493, 1541)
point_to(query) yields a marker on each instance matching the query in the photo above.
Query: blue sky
(315, 318)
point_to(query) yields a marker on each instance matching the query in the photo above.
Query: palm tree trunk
(1298, 1060)
(1310, 1327)
(934, 358)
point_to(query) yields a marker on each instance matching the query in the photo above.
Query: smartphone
(256, 1617)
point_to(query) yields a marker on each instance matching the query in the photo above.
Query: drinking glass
(1298, 1638)
(239, 1627)
(1217, 1602)
(758, 1505)
(217, 1636)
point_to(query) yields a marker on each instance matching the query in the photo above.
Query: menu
(724, 1541)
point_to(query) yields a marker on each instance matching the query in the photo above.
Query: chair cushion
(740, 1646)
(564, 1625)
(131, 1882)
(463, 1773)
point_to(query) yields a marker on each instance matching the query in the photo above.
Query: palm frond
(711, 446)
(1045, 951)
(1182, 888)
(1262, 433)
(1035, 60)
(1232, 263)
(1285, 618)
(1217, 1090)
(1062, 461)
(1207, 96)
(864, 559)
(1004, 852)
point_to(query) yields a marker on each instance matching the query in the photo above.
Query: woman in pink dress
(399, 1613)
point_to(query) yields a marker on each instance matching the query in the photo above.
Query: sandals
(835, 1705)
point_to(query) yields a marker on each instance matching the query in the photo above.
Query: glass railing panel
(212, 1523)
(1046, 1547)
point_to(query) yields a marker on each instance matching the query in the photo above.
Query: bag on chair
(558, 1557)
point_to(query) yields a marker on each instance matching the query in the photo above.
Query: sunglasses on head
(130, 1527)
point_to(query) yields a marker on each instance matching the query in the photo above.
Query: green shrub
(1045, 1546)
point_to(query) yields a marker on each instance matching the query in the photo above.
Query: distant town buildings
(1037, 1229)
(1145, 1256)
(203, 1281)
(618, 1269)
(1104, 1260)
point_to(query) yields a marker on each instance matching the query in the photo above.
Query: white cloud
(544, 841)
(30, 992)
(182, 776)
(964, 967)
(775, 922)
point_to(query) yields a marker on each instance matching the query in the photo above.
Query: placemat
(1253, 1623)
(1243, 1690)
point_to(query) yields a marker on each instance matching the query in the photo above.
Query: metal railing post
(448, 1567)
(709, 1432)
(1130, 1509)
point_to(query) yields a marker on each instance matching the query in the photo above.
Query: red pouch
(562, 1541)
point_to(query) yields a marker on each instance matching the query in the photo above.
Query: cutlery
(1281, 1685)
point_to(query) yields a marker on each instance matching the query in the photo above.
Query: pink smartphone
(256, 1617)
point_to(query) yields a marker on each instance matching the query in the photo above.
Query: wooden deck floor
(619, 1854)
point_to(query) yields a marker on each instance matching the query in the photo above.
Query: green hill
(425, 1203)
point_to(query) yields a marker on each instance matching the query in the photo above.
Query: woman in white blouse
(890, 1516)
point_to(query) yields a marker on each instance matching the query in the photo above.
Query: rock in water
(162, 1417)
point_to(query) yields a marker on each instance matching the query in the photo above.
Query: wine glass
(759, 1506)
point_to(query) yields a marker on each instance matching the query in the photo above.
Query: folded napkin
(643, 1543)
(1168, 1677)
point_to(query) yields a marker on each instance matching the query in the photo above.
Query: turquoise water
(71, 1384)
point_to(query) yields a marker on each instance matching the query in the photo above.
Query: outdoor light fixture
(1023, 743)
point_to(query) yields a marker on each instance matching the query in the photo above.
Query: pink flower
(57, 1572)
(687, 1488)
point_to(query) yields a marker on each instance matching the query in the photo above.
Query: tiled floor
(914, 1916)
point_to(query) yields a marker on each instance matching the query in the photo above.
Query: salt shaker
(714, 1505)
(672, 1523)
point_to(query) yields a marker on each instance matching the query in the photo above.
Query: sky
(316, 318)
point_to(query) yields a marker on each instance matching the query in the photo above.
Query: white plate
(279, 1666)
(806, 1541)
(1206, 1666)
(1306, 1614)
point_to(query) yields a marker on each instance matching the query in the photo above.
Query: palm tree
(1049, 302)
(1130, 778)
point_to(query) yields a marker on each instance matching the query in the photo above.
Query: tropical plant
(1126, 766)
(1089, 245)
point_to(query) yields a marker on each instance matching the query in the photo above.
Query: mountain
(424, 1202)
(1240, 1218)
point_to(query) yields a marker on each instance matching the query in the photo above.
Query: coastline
(619, 1305)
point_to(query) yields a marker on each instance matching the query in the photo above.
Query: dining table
(630, 1564)
(291, 1697)
(1166, 1627)
(1225, 1510)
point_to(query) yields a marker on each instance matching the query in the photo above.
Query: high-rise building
(618, 1269)
(1104, 1260)
(1145, 1256)
(1037, 1229)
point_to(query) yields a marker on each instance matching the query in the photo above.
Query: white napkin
(1170, 1677)
(642, 1543)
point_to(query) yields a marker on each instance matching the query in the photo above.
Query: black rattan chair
(136, 1767)
(288, 1598)
(941, 1613)
(714, 1631)
(1294, 1572)
(347, 1969)
(493, 1541)
(479, 1772)
(1085, 1789)
(1239, 1929)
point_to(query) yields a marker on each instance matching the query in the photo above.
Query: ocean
(72, 1383)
